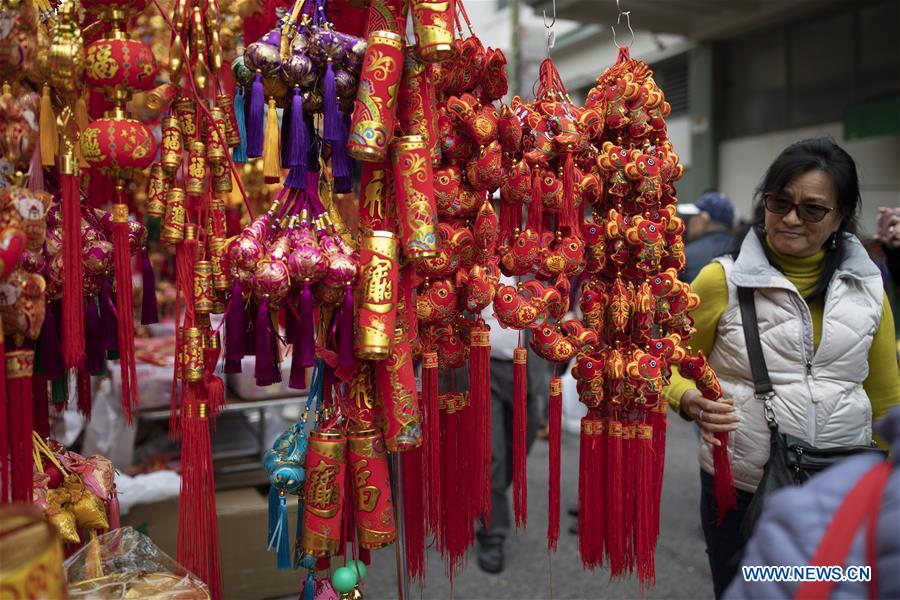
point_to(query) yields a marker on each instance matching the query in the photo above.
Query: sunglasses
(782, 205)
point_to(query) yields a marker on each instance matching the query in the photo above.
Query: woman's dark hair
(817, 154)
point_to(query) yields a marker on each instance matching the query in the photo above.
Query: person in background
(709, 233)
(793, 524)
(503, 342)
(825, 325)
(889, 236)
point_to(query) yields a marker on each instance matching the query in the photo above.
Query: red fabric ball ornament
(117, 143)
(127, 63)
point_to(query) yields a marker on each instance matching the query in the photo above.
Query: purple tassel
(312, 192)
(149, 308)
(249, 332)
(285, 133)
(306, 334)
(51, 357)
(297, 380)
(331, 132)
(345, 334)
(296, 178)
(95, 360)
(267, 371)
(299, 136)
(315, 145)
(234, 330)
(291, 326)
(109, 324)
(256, 122)
(340, 164)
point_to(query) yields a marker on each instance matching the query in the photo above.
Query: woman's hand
(713, 416)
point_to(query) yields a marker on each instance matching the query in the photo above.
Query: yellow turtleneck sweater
(883, 383)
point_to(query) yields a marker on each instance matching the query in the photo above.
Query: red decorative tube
(414, 104)
(395, 384)
(377, 310)
(186, 110)
(172, 145)
(387, 15)
(197, 171)
(226, 104)
(374, 114)
(414, 192)
(373, 196)
(324, 493)
(156, 192)
(375, 527)
(433, 24)
(215, 140)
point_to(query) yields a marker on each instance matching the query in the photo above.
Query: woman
(814, 283)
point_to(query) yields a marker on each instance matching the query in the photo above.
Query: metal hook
(627, 15)
(553, 22)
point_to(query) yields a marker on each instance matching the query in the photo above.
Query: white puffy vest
(819, 396)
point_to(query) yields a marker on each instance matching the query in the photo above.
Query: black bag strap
(761, 382)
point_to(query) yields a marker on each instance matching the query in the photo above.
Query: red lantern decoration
(118, 143)
(111, 63)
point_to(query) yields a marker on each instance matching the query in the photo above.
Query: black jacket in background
(701, 251)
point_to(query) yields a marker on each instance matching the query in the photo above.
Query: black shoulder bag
(791, 460)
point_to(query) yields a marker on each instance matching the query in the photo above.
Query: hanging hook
(627, 15)
(553, 22)
(551, 37)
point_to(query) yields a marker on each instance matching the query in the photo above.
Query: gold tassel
(49, 133)
(82, 120)
(272, 149)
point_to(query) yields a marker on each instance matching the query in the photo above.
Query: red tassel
(5, 418)
(629, 469)
(125, 310)
(73, 299)
(568, 218)
(535, 219)
(615, 527)
(644, 544)
(432, 438)
(414, 516)
(555, 462)
(198, 529)
(185, 255)
(113, 510)
(520, 425)
(41, 405)
(480, 404)
(458, 531)
(19, 370)
(723, 481)
(660, 423)
(83, 383)
(591, 500)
